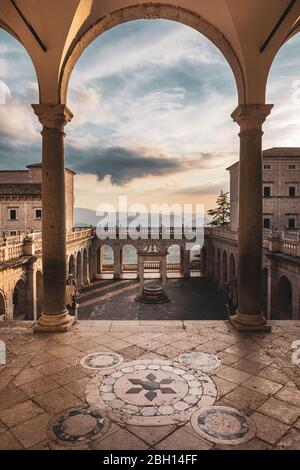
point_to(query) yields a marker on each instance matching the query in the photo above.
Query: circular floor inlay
(223, 425)
(151, 392)
(78, 426)
(200, 360)
(101, 360)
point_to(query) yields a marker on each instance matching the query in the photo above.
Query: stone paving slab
(44, 378)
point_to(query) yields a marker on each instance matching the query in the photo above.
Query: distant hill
(88, 217)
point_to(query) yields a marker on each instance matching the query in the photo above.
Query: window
(13, 214)
(38, 214)
(267, 191)
(292, 191)
(292, 223)
(266, 222)
(292, 167)
(13, 233)
(267, 167)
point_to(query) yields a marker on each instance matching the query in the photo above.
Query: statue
(71, 293)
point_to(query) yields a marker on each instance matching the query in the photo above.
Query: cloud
(124, 165)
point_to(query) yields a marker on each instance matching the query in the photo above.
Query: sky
(152, 102)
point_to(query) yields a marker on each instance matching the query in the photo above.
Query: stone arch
(149, 10)
(285, 299)
(39, 293)
(106, 258)
(224, 267)
(20, 301)
(3, 310)
(79, 269)
(129, 257)
(15, 36)
(264, 291)
(232, 268)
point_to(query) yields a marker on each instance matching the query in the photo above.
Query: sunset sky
(152, 103)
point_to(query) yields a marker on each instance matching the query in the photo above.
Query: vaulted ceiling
(55, 33)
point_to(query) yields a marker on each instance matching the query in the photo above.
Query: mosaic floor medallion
(200, 360)
(223, 425)
(151, 392)
(78, 426)
(101, 360)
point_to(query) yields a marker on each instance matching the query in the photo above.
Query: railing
(286, 242)
(146, 233)
(30, 243)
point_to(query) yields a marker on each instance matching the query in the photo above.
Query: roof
(282, 152)
(39, 165)
(20, 189)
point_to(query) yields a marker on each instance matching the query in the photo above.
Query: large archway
(20, 307)
(106, 259)
(152, 11)
(79, 269)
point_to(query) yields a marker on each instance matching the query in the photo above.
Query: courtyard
(191, 299)
(165, 385)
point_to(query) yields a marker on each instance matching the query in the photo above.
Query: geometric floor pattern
(248, 398)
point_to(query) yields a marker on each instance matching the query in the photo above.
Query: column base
(54, 323)
(244, 322)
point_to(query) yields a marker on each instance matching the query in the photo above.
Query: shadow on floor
(191, 299)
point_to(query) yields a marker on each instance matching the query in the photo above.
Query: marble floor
(114, 385)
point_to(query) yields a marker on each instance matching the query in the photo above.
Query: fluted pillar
(55, 316)
(250, 118)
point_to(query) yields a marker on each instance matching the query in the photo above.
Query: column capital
(53, 116)
(251, 116)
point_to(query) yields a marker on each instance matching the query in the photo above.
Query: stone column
(250, 118)
(186, 263)
(117, 262)
(55, 317)
(93, 262)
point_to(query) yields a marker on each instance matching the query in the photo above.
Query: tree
(221, 214)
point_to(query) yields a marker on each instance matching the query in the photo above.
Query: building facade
(281, 189)
(21, 200)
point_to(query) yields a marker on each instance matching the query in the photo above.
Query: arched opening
(174, 259)
(39, 294)
(232, 274)
(225, 267)
(129, 259)
(79, 270)
(20, 301)
(264, 291)
(135, 122)
(195, 260)
(152, 11)
(72, 266)
(218, 267)
(85, 267)
(285, 299)
(282, 126)
(106, 259)
(2, 306)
